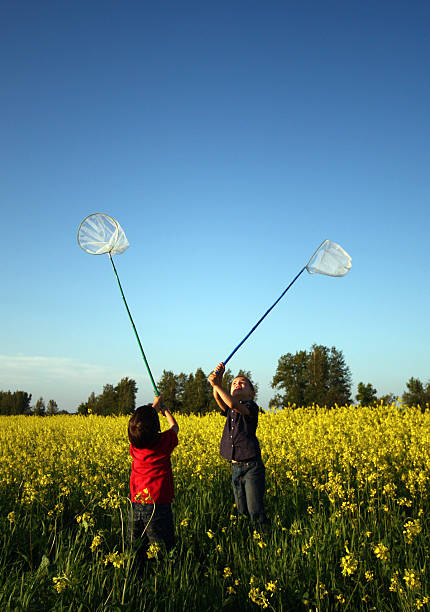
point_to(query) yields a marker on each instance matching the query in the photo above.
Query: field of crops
(348, 495)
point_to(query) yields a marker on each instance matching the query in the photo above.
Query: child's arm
(219, 401)
(171, 420)
(223, 397)
(215, 379)
(229, 400)
(158, 405)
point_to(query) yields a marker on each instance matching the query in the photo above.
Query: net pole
(264, 316)
(134, 329)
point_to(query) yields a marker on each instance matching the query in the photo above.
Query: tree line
(18, 402)
(318, 376)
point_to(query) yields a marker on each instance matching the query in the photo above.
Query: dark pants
(249, 480)
(142, 528)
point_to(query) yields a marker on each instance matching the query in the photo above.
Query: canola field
(347, 494)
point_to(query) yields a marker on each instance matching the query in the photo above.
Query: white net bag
(99, 233)
(330, 259)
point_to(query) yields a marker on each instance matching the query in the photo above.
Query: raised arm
(219, 401)
(171, 420)
(222, 397)
(158, 405)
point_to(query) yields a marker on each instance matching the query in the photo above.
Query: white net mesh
(330, 259)
(100, 233)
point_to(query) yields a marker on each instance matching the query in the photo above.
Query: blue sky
(228, 139)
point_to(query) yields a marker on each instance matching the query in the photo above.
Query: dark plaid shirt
(239, 441)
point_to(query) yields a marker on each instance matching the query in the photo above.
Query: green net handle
(157, 393)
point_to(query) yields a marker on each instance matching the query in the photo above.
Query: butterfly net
(99, 233)
(330, 259)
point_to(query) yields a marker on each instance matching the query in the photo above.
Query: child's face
(241, 388)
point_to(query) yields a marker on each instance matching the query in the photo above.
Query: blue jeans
(249, 480)
(159, 528)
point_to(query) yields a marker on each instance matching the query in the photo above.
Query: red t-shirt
(151, 469)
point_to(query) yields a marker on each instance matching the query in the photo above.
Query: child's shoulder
(168, 439)
(168, 433)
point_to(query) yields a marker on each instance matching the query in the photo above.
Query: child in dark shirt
(151, 479)
(239, 443)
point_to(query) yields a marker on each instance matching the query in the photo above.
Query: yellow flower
(381, 551)
(95, 543)
(420, 603)
(60, 583)
(412, 579)
(348, 564)
(117, 559)
(153, 550)
(258, 597)
(395, 585)
(271, 586)
(210, 534)
(143, 495)
(86, 520)
(227, 572)
(411, 529)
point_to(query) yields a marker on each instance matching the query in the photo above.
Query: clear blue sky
(228, 139)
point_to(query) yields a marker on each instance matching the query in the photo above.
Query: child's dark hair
(144, 427)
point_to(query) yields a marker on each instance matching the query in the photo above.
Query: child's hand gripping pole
(158, 404)
(215, 378)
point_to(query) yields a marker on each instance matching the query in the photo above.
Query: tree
(168, 388)
(193, 393)
(417, 394)
(366, 394)
(125, 391)
(117, 400)
(339, 385)
(107, 402)
(39, 408)
(203, 392)
(186, 392)
(82, 409)
(292, 377)
(15, 403)
(90, 406)
(387, 399)
(319, 376)
(52, 407)
(197, 393)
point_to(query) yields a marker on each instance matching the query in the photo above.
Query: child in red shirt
(151, 480)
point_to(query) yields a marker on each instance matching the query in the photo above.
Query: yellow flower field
(347, 494)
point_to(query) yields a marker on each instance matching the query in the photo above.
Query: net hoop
(329, 259)
(100, 233)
